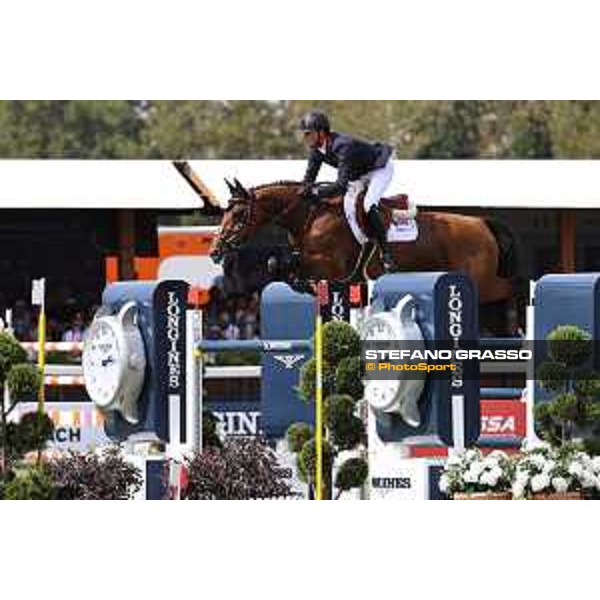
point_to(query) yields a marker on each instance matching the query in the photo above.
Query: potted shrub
(569, 422)
(471, 475)
(21, 380)
(572, 412)
(345, 465)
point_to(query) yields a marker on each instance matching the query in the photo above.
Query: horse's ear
(231, 187)
(241, 189)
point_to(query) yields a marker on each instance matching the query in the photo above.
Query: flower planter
(557, 496)
(483, 496)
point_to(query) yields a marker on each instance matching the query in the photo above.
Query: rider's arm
(315, 160)
(341, 185)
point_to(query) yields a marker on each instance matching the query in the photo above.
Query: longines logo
(455, 329)
(289, 361)
(173, 336)
(338, 307)
(391, 483)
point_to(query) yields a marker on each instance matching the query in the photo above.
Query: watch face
(378, 328)
(101, 363)
(381, 394)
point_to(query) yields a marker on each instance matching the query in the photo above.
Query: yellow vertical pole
(42, 347)
(319, 407)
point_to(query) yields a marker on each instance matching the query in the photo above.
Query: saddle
(397, 210)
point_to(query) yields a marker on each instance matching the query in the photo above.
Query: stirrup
(387, 259)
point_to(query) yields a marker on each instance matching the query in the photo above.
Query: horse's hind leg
(505, 314)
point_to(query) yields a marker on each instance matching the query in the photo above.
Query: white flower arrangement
(543, 469)
(539, 469)
(471, 471)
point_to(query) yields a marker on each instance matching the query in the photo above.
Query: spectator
(231, 308)
(249, 325)
(214, 333)
(232, 332)
(222, 319)
(254, 303)
(21, 320)
(53, 329)
(76, 331)
(240, 310)
(232, 317)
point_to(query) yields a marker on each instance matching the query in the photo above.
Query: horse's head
(239, 221)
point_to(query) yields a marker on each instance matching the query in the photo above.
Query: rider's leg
(378, 183)
(379, 180)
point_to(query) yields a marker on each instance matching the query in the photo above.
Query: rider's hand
(306, 192)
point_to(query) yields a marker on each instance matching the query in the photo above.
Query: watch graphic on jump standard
(114, 362)
(401, 394)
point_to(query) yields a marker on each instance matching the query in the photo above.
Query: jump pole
(321, 296)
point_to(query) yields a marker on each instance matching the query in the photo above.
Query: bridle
(230, 240)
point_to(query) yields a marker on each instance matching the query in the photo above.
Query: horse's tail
(508, 255)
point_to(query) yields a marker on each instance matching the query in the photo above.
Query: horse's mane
(267, 186)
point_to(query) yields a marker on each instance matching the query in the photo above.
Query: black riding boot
(376, 223)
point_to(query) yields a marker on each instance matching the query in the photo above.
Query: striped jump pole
(253, 345)
(501, 393)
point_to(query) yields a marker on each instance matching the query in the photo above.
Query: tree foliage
(342, 391)
(22, 380)
(71, 129)
(572, 413)
(30, 483)
(238, 129)
(11, 354)
(351, 474)
(210, 435)
(30, 433)
(198, 129)
(297, 435)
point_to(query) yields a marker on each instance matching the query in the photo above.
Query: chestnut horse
(328, 250)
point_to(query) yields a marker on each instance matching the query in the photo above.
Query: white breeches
(377, 182)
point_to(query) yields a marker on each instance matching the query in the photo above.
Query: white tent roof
(501, 184)
(157, 184)
(94, 184)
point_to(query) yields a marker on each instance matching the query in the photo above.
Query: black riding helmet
(315, 121)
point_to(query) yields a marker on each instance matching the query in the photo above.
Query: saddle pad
(403, 230)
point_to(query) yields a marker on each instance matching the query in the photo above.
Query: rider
(355, 160)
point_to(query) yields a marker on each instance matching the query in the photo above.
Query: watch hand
(107, 361)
